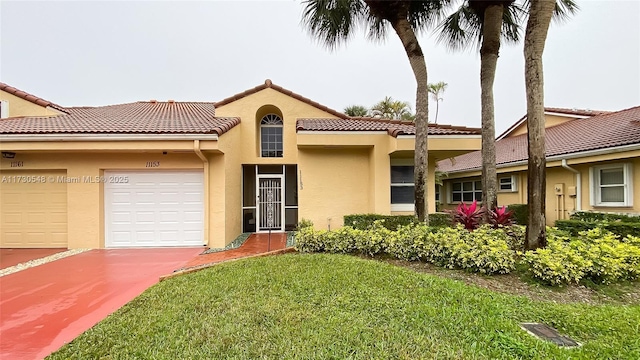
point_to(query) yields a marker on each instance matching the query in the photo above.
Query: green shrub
(612, 259)
(622, 229)
(304, 223)
(520, 213)
(596, 254)
(343, 240)
(440, 219)
(408, 242)
(310, 240)
(485, 250)
(591, 216)
(374, 240)
(391, 222)
(560, 262)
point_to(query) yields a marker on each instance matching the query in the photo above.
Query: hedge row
(602, 217)
(485, 250)
(596, 254)
(622, 229)
(392, 222)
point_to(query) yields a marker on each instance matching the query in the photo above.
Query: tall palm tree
(540, 13)
(333, 21)
(436, 90)
(486, 24)
(356, 110)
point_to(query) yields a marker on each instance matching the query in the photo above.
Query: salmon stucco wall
(21, 107)
(333, 183)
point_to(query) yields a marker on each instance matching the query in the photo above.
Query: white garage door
(154, 208)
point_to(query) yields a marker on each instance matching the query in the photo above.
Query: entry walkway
(255, 244)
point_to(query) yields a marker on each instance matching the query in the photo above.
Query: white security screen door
(270, 209)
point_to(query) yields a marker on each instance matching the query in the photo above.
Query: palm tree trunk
(540, 12)
(419, 66)
(488, 62)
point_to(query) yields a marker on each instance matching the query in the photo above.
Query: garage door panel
(33, 214)
(154, 209)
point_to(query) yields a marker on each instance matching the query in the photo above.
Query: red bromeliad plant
(500, 217)
(469, 216)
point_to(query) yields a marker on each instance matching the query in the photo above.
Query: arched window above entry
(271, 136)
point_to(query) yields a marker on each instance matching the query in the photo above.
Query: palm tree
(436, 90)
(540, 13)
(356, 110)
(333, 21)
(392, 109)
(486, 24)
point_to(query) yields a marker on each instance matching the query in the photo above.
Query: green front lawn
(337, 306)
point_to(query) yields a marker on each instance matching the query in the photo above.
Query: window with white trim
(466, 191)
(507, 183)
(4, 109)
(611, 185)
(402, 188)
(271, 136)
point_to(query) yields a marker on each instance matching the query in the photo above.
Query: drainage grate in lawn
(546, 332)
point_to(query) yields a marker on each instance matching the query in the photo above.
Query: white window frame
(594, 180)
(267, 125)
(401, 207)
(474, 190)
(4, 109)
(514, 183)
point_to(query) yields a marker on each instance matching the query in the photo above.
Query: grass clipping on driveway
(336, 306)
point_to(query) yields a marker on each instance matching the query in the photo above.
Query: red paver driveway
(46, 306)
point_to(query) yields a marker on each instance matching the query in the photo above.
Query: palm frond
(462, 29)
(333, 21)
(564, 10)
(425, 14)
(512, 17)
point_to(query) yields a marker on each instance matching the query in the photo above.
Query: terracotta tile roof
(133, 118)
(575, 112)
(579, 112)
(393, 127)
(269, 85)
(31, 98)
(598, 132)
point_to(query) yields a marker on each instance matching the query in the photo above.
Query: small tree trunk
(540, 13)
(437, 109)
(488, 62)
(419, 66)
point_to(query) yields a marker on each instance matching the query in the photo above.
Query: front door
(270, 212)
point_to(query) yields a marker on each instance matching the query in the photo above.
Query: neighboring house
(200, 173)
(593, 163)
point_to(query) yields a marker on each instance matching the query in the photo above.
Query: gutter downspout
(578, 184)
(196, 149)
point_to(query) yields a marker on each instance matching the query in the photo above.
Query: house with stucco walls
(593, 164)
(169, 173)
